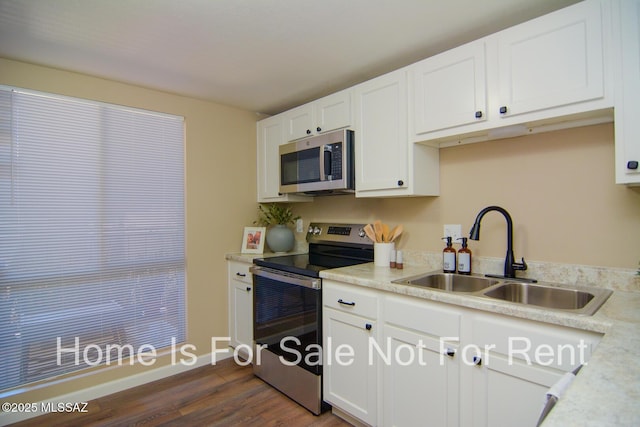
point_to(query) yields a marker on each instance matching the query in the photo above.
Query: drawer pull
(368, 326)
(450, 352)
(477, 360)
(340, 301)
(248, 289)
(241, 275)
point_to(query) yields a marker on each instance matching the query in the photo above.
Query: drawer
(240, 271)
(434, 319)
(350, 299)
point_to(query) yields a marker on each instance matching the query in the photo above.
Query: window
(91, 234)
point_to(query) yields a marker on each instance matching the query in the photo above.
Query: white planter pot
(280, 238)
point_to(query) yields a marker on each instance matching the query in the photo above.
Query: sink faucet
(510, 266)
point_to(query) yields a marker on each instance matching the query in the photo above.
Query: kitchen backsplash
(624, 279)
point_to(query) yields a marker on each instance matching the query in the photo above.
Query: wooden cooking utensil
(377, 226)
(371, 234)
(393, 230)
(385, 233)
(396, 232)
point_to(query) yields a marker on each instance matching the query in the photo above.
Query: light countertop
(248, 258)
(606, 392)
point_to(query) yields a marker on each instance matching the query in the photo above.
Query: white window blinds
(91, 234)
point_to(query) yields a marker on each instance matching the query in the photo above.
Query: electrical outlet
(453, 230)
(299, 226)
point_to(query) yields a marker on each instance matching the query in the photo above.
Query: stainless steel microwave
(317, 165)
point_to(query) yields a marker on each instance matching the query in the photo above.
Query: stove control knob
(317, 231)
(361, 233)
(310, 230)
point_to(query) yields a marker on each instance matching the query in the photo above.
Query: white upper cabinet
(326, 114)
(450, 89)
(552, 61)
(548, 73)
(627, 112)
(387, 164)
(381, 133)
(270, 137)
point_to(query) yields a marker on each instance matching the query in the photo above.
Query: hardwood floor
(222, 395)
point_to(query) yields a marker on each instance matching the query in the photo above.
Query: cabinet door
(240, 304)
(519, 361)
(450, 89)
(299, 122)
(627, 108)
(420, 380)
(270, 137)
(421, 375)
(552, 61)
(509, 394)
(333, 112)
(349, 382)
(381, 133)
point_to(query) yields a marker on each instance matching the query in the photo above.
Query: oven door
(287, 310)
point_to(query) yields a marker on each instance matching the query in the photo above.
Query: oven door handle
(286, 277)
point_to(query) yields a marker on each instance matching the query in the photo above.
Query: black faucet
(510, 266)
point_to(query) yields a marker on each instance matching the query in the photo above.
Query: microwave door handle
(322, 160)
(327, 164)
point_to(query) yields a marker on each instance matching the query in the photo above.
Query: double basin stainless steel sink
(579, 300)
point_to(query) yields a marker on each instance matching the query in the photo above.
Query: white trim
(115, 386)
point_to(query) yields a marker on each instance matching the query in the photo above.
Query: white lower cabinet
(419, 362)
(240, 307)
(519, 361)
(420, 384)
(349, 322)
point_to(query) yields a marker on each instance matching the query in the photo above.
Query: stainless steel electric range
(287, 309)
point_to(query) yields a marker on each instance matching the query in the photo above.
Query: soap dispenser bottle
(448, 257)
(464, 258)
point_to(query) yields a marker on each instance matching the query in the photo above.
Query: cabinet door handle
(318, 129)
(341, 301)
(478, 114)
(368, 326)
(400, 183)
(477, 360)
(450, 352)
(248, 289)
(308, 131)
(503, 110)
(632, 164)
(241, 275)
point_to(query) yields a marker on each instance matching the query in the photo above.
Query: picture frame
(253, 240)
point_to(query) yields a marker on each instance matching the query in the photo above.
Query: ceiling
(264, 56)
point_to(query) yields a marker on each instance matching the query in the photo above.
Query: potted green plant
(277, 217)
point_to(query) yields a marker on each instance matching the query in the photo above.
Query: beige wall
(220, 194)
(558, 186)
